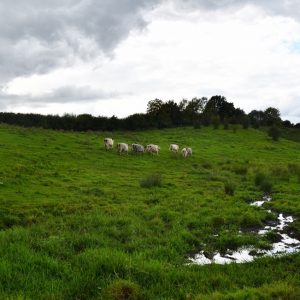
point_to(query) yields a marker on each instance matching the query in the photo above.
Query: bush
(266, 186)
(123, 290)
(274, 133)
(259, 178)
(263, 183)
(151, 181)
(250, 221)
(229, 188)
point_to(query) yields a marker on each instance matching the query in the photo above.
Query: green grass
(77, 224)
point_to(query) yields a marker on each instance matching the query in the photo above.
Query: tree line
(196, 112)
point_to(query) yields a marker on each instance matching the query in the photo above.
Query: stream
(286, 244)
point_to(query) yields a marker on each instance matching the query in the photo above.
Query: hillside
(76, 224)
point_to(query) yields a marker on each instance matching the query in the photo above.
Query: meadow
(80, 222)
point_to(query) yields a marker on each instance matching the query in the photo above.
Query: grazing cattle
(122, 147)
(174, 148)
(151, 148)
(137, 148)
(189, 151)
(108, 143)
(184, 152)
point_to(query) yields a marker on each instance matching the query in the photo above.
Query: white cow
(174, 148)
(122, 147)
(108, 143)
(151, 148)
(184, 152)
(189, 151)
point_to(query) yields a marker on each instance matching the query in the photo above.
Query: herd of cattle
(151, 148)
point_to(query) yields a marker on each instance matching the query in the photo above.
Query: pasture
(78, 222)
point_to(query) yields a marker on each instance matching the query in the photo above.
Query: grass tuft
(150, 181)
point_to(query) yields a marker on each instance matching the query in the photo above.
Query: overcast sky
(110, 57)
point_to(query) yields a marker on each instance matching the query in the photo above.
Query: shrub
(274, 133)
(259, 178)
(123, 290)
(249, 221)
(229, 188)
(266, 186)
(263, 183)
(151, 181)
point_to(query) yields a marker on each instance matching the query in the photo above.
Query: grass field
(76, 223)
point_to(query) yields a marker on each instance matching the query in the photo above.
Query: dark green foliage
(245, 122)
(197, 124)
(153, 180)
(259, 178)
(274, 133)
(226, 124)
(229, 188)
(266, 186)
(160, 114)
(216, 122)
(263, 183)
(250, 221)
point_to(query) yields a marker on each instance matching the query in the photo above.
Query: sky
(110, 57)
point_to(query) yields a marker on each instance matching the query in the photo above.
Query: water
(286, 245)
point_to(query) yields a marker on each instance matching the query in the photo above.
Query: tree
(257, 118)
(272, 116)
(154, 106)
(218, 105)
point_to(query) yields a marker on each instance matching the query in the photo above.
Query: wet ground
(284, 245)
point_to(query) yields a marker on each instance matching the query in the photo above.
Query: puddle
(286, 245)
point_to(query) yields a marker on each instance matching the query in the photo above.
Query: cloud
(290, 8)
(38, 36)
(61, 95)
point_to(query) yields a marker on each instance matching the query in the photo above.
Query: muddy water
(286, 245)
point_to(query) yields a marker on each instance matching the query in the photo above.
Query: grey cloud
(37, 36)
(65, 94)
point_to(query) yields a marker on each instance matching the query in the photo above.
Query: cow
(184, 152)
(151, 148)
(137, 148)
(189, 151)
(174, 148)
(108, 143)
(122, 147)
